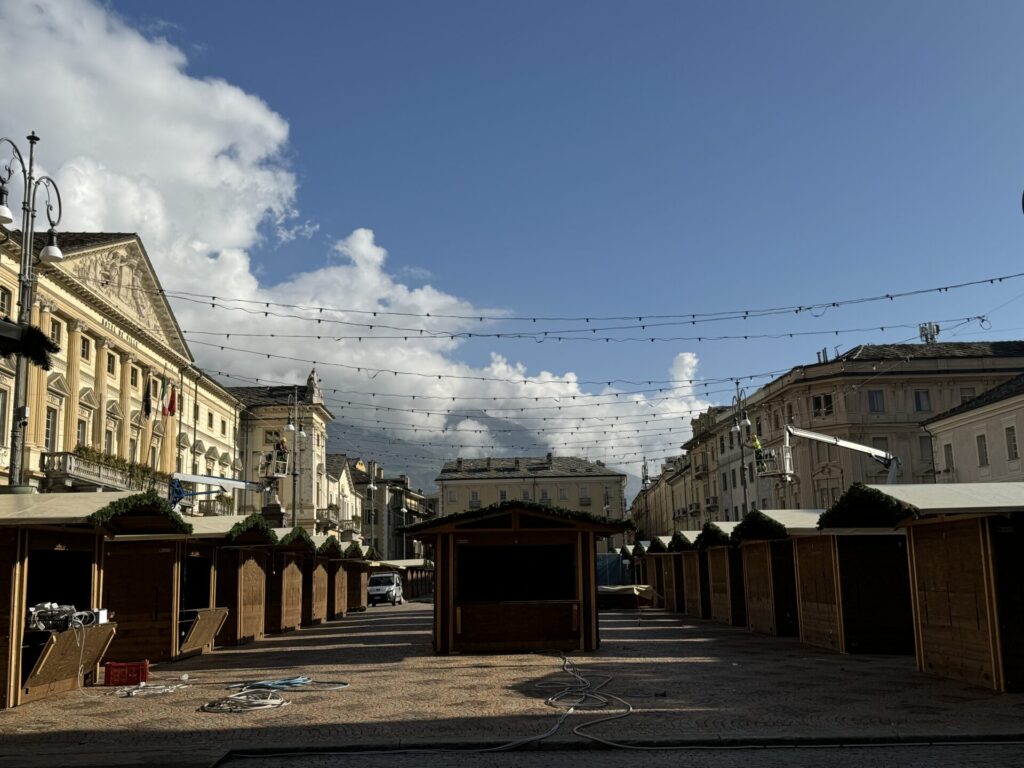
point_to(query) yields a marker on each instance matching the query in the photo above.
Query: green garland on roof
(758, 526)
(331, 543)
(297, 534)
(529, 506)
(148, 502)
(863, 507)
(626, 552)
(353, 552)
(711, 536)
(679, 543)
(638, 550)
(255, 523)
(657, 548)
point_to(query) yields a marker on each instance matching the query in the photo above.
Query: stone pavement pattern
(690, 681)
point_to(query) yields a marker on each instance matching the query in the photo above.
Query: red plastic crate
(126, 673)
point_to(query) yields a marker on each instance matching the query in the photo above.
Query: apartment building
(977, 441)
(876, 395)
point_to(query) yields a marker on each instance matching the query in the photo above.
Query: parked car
(384, 588)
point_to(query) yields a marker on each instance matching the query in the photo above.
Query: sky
(568, 160)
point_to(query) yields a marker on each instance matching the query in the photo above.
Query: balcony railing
(69, 470)
(711, 502)
(474, 504)
(584, 501)
(210, 507)
(700, 468)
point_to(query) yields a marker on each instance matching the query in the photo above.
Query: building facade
(977, 441)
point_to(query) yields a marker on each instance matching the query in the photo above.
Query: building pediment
(158, 429)
(87, 398)
(198, 447)
(121, 276)
(183, 441)
(58, 385)
(114, 410)
(225, 459)
(212, 453)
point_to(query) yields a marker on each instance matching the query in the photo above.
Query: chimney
(488, 462)
(517, 463)
(458, 463)
(549, 458)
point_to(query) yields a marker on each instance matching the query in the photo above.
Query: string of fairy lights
(526, 412)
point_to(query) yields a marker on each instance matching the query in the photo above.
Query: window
(734, 478)
(108, 442)
(209, 419)
(789, 413)
(80, 433)
(750, 471)
(966, 393)
(152, 458)
(86, 347)
(947, 456)
(271, 436)
(526, 494)
(922, 400)
(5, 302)
(732, 444)
(453, 495)
(881, 443)
(195, 412)
(584, 491)
(876, 401)
(133, 450)
(563, 494)
(55, 331)
(775, 419)
(982, 442)
(502, 495)
(925, 444)
(51, 430)
(134, 377)
(111, 363)
(822, 405)
(725, 482)
(721, 444)
(544, 495)
(757, 425)
(1011, 444)
(474, 499)
(224, 430)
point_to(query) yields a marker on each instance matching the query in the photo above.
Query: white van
(384, 588)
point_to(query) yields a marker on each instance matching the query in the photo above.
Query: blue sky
(571, 159)
(584, 158)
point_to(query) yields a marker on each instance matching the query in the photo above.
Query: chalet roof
(956, 498)
(794, 520)
(525, 506)
(520, 467)
(54, 508)
(1004, 391)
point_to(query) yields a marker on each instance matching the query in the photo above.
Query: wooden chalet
(285, 580)
(966, 543)
(243, 563)
(159, 582)
(853, 584)
(314, 587)
(769, 574)
(51, 550)
(658, 561)
(515, 577)
(329, 548)
(696, 573)
(356, 562)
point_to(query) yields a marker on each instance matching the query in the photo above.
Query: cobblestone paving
(690, 681)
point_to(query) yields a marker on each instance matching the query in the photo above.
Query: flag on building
(147, 402)
(164, 394)
(172, 401)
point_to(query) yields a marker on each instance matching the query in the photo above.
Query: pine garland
(679, 543)
(863, 507)
(353, 552)
(330, 544)
(254, 523)
(711, 536)
(145, 503)
(297, 536)
(758, 526)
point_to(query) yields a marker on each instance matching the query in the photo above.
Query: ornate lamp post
(50, 254)
(295, 425)
(740, 419)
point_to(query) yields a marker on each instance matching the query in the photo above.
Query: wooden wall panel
(337, 590)
(816, 592)
(10, 607)
(718, 579)
(952, 613)
(691, 583)
(757, 575)
(140, 585)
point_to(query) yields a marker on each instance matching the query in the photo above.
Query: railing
(74, 467)
(700, 469)
(474, 504)
(711, 502)
(215, 507)
(584, 501)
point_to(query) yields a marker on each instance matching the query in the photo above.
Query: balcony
(210, 507)
(584, 501)
(694, 507)
(72, 472)
(700, 469)
(711, 502)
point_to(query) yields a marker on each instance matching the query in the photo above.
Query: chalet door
(1008, 566)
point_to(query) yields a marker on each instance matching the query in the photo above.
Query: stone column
(99, 419)
(169, 446)
(35, 401)
(74, 385)
(125, 402)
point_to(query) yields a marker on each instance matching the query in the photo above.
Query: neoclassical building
(90, 423)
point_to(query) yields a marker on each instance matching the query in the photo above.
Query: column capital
(46, 306)
(77, 326)
(102, 342)
(126, 357)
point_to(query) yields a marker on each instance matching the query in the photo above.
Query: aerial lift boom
(773, 467)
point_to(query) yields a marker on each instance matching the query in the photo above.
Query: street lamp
(739, 419)
(294, 425)
(50, 254)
